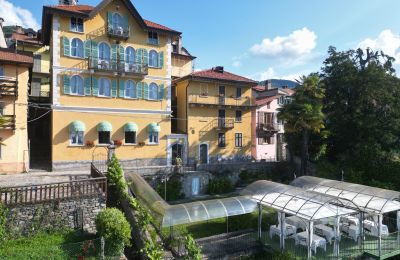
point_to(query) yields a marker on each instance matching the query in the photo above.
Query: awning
(77, 126)
(104, 127)
(130, 127)
(154, 127)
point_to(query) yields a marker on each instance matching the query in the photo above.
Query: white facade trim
(56, 52)
(110, 110)
(170, 144)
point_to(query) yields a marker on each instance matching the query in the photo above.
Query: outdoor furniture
(276, 230)
(317, 241)
(325, 231)
(351, 220)
(372, 227)
(351, 230)
(297, 222)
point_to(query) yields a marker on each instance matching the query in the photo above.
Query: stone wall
(76, 213)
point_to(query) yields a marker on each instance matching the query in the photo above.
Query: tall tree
(304, 114)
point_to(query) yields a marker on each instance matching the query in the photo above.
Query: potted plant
(141, 143)
(89, 143)
(118, 142)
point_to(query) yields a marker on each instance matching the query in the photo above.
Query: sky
(260, 39)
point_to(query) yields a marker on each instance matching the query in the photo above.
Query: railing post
(379, 234)
(259, 221)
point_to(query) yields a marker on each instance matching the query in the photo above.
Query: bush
(3, 221)
(113, 226)
(174, 189)
(220, 186)
(116, 182)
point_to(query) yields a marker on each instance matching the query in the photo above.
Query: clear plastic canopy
(369, 199)
(305, 204)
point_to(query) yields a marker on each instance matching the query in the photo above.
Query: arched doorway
(203, 151)
(177, 152)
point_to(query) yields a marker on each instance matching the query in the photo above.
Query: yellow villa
(14, 77)
(110, 81)
(214, 112)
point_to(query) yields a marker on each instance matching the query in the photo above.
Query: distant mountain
(279, 83)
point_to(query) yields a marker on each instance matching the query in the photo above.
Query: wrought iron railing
(118, 66)
(121, 32)
(220, 100)
(8, 86)
(224, 123)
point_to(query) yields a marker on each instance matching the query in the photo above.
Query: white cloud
(15, 15)
(387, 41)
(268, 74)
(236, 64)
(295, 45)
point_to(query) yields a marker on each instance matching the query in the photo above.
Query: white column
(398, 225)
(310, 239)
(361, 229)
(337, 236)
(379, 234)
(259, 220)
(283, 229)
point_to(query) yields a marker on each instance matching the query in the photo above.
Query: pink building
(268, 142)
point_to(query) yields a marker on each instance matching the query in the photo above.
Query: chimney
(68, 2)
(219, 69)
(3, 43)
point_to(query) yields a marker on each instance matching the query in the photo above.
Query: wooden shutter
(114, 87)
(161, 92)
(145, 90)
(88, 89)
(66, 46)
(139, 90)
(114, 56)
(139, 56)
(94, 53)
(109, 19)
(66, 84)
(95, 86)
(121, 88)
(87, 47)
(145, 56)
(161, 59)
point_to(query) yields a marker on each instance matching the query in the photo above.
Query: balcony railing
(112, 65)
(267, 129)
(8, 86)
(9, 122)
(224, 123)
(119, 32)
(220, 100)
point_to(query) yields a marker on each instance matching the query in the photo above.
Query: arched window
(130, 55)
(153, 59)
(77, 48)
(117, 21)
(104, 87)
(76, 85)
(153, 91)
(130, 89)
(104, 51)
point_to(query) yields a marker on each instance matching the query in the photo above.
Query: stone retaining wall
(76, 213)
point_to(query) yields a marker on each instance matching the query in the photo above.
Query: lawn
(63, 245)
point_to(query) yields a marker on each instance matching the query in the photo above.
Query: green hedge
(220, 185)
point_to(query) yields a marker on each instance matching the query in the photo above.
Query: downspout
(187, 118)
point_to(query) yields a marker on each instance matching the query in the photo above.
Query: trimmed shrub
(113, 226)
(220, 186)
(174, 189)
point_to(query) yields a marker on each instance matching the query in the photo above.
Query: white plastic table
(325, 231)
(276, 230)
(351, 220)
(317, 241)
(352, 231)
(372, 227)
(297, 222)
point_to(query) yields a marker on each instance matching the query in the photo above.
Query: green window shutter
(145, 90)
(87, 47)
(145, 56)
(121, 88)
(161, 92)
(94, 53)
(66, 84)
(88, 90)
(66, 46)
(139, 56)
(114, 56)
(165, 92)
(122, 57)
(95, 87)
(109, 19)
(161, 59)
(114, 88)
(139, 90)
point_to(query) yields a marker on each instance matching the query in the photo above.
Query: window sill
(77, 32)
(76, 95)
(102, 145)
(76, 145)
(103, 97)
(238, 147)
(130, 98)
(130, 144)
(76, 58)
(238, 121)
(152, 144)
(158, 68)
(153, 43)
(203, 96)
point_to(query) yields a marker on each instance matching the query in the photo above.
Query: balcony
(9, 122)
(117, 66)
(118, 32)
(218, 101)
(8, 86)
(267, 129)
(224, 124)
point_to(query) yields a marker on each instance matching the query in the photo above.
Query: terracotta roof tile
(157, 26)
(212, 74)
(9, 55)
(25, 38)
(265, 100)
(259, 88)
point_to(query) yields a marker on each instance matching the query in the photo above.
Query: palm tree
(304, 114)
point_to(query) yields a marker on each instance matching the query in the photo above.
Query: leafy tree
(304, 114)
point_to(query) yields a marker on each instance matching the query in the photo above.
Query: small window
(104, 52)
(153, 138)
(104, 87)
(77, 48)
(153, 38)
(76, 138)
(238, 92)
(76, 24)
(117, 22)
(153, 59)
(238, 140)
(104, 137)
(130, 137)
(153, 91)
(130, 55)
(203, 90)
(76, 85)
(238, 116)
(268, 140)
(221, 140)
(130, 89)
